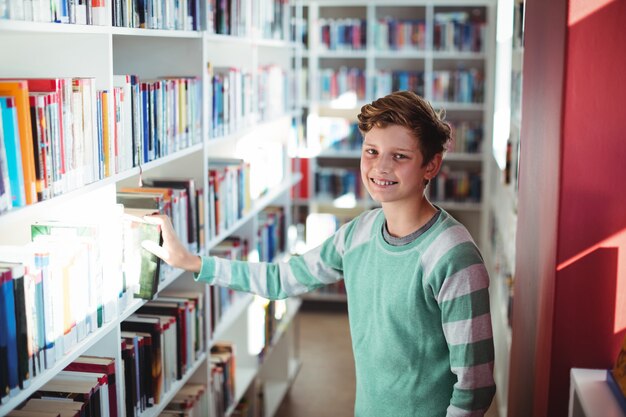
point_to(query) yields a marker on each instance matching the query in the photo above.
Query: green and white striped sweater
(419, 313)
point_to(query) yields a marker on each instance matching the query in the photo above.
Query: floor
(325, 384)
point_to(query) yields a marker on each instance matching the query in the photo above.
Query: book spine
(13, 151)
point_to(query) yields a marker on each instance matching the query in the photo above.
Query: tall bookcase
(358, 50)
(502, 204)
(260, 136)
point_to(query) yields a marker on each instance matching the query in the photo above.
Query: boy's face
(391, 165)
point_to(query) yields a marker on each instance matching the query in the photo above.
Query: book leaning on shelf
(141, 269)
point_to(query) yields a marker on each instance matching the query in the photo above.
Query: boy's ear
(432, 168)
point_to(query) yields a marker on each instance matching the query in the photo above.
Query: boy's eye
(399, 156)
(370, 151)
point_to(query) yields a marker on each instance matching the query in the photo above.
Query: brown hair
(407, 109)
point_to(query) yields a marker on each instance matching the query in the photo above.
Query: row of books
(85, 388)
(459, 31)
(50, 301)
(192, 400)
(155, 14)
(343, 34)
(276, 91)
(178, 197)
(59, 134)
(337, 82)
(459, 86)
(229, 195)
(467, 136)
(395, 34)
(386, 81)
(64, 286)
(232, 95)
(233, 248)
(335, 182)
(271, 233)
(349, 140)
(237, 17)
(160, 344)
(456, 185)
(235, 103)
(91, 12)
(223, 371)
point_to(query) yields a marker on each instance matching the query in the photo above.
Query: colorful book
(12, 146)
(19, 91)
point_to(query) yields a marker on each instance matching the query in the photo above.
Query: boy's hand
(172, 251)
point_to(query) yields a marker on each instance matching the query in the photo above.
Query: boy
(416, 284)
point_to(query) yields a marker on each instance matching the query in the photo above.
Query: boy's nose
(384, 164)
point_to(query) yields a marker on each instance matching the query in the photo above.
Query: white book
(125, 130)
(98, 380)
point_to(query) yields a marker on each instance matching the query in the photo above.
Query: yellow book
(106, 140)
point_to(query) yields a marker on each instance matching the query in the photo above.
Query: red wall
(571, 280)
(592, 212)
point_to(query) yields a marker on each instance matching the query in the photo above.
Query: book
(178, 310)
(81, 391)
(100, 384)
(141, 268)
(19, 91)
(128, 359)
(5, 182)
(99, 365)
(65, 408)
(155, 327)
(187, 184)
(8, 328)
(32, 413)
(197, 309)
(13, 151)
(75, 250)
(23, 338)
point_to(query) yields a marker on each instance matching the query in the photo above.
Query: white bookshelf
(591, 396)
(502, 202)
(47, 50)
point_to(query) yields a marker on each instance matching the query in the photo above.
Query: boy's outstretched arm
(173, 252)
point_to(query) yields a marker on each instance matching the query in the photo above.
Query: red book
(99, 365)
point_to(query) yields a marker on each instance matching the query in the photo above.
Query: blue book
(4, 367)
(8, 326)
(5, 185)
(11, 134)
(145, 117)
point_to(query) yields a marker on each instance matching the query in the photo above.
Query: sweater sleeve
(464, 301)
(314, 269)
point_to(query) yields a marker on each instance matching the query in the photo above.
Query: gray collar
(404, 240)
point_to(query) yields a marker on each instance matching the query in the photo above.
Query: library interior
(237, 119)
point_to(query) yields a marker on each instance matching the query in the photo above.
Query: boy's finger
(155, 249)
